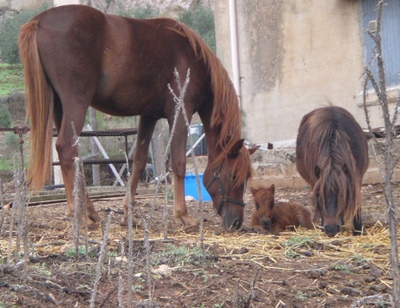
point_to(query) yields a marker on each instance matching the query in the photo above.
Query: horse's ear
(234, 152)
(253, 149)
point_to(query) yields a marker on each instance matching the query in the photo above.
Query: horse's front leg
(67, 149)
(145, 132)
(178, 164)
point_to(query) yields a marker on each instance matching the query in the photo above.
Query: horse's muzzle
(266, 224)
(231, 223)
(332, 230)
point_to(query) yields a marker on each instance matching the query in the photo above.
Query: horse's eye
(345, 169)
(317, 171)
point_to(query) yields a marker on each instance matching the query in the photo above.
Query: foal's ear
(272, 188)
(253, 149)
(234, 152)
(254, 190)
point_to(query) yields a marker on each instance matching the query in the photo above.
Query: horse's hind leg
(145, 132)
(69, 122)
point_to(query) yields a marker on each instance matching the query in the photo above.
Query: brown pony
(332, 156)
(275, 217)
(75, 56)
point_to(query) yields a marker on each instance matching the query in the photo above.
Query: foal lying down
(273, 217)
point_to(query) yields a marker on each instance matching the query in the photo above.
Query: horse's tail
(40, 106)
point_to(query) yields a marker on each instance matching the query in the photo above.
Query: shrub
(201, 20)
(5, 117)
(9, 32)
(141, 12)
(11, 142)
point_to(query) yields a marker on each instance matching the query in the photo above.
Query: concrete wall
(294, 56)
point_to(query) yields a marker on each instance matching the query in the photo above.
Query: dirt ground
(299, 268)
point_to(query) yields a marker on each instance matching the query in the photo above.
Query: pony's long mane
(329, 149)
(226, 115)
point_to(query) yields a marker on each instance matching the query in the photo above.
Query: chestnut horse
(332, 156)
(275, 217)
(75, 56)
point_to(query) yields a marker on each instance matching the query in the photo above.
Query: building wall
(294, 56)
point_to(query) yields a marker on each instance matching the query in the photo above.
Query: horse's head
(334, 198)
(226, 184)
(264, 202)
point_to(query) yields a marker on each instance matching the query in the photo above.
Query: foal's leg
(178, 164)
(145, 132)
(69, 121)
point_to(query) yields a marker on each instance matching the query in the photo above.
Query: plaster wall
(294, 56)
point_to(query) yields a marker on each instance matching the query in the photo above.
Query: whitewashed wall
(294, 56)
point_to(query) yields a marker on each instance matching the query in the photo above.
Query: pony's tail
(40, 107)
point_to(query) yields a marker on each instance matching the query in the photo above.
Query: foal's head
(264, 202)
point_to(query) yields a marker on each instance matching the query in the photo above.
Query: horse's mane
(226, 115)
(329, 149)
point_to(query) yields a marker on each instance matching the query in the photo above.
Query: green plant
(11, 142)
(142, 12)
(301, 296)
(11, 79)
(381, 304)
(9, 32)
(81, 252)
(359, 259)
(43, 270)
(136, 288)
(341, 267)
(298, 241)
(201, 20)
(178, 255)
(5, 117)
(6, 163)
(291, 254)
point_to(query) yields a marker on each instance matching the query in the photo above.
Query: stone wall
(279, 167)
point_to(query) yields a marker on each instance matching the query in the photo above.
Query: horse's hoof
(92, 226)
(188, 222)
(94, 217)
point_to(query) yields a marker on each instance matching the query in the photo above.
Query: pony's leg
(178, 164)
(357, 224)
(69, 121)
(145, 132)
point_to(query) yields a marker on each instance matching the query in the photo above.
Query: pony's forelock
(346, 185)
